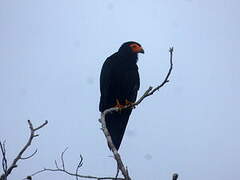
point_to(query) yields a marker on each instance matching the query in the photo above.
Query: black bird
(119, 84)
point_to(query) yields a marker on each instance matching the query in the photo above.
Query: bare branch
(166, 80)
(28, 157)
(80, 163)
(39, 127)
(4, 159)
(27, 145)
(111, 145)
(62, 154)
(56, 164)
(117, 173)
(150, 91)
(73, 174)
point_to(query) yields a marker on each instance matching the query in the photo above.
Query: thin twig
(4, 158)
(117, 172)
(28, 157)
(39, 127)
(152, 90)
(79, 165)
(166, 80)
(62, 154)
(56, 164)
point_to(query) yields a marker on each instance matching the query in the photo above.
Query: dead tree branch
(8, 170)
(64, 170)
(79, 165)
(4, 158)
(117, 156)
(150, 91)
(28, 157)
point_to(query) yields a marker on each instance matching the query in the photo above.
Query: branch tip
(175, 176)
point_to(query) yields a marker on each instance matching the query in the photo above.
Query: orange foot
(118, 105)
(128, 103)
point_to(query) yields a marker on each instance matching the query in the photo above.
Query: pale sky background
(51, 53)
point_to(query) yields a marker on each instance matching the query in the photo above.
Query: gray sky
(51, 53)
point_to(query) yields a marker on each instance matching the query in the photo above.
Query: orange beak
(141, 50)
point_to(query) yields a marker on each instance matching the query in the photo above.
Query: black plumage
(119, 81)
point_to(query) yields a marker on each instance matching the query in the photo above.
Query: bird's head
(131, 48)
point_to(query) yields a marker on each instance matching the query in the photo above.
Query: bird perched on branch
(119, 84)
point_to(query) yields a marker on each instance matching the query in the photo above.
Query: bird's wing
(105, 83)
(134, 84)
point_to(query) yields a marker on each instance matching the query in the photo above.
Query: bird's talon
(129, 103)
(118, 105)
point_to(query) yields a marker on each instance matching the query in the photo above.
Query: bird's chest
(125, 76)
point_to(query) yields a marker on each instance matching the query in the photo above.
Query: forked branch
(63, 169)
(7, 170)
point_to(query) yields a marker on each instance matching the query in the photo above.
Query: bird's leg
(118, 105)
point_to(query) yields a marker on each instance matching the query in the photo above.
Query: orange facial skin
(136, 48)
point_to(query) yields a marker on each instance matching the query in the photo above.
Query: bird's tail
(116, 123)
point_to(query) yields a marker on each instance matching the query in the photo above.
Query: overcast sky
(51, 53)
